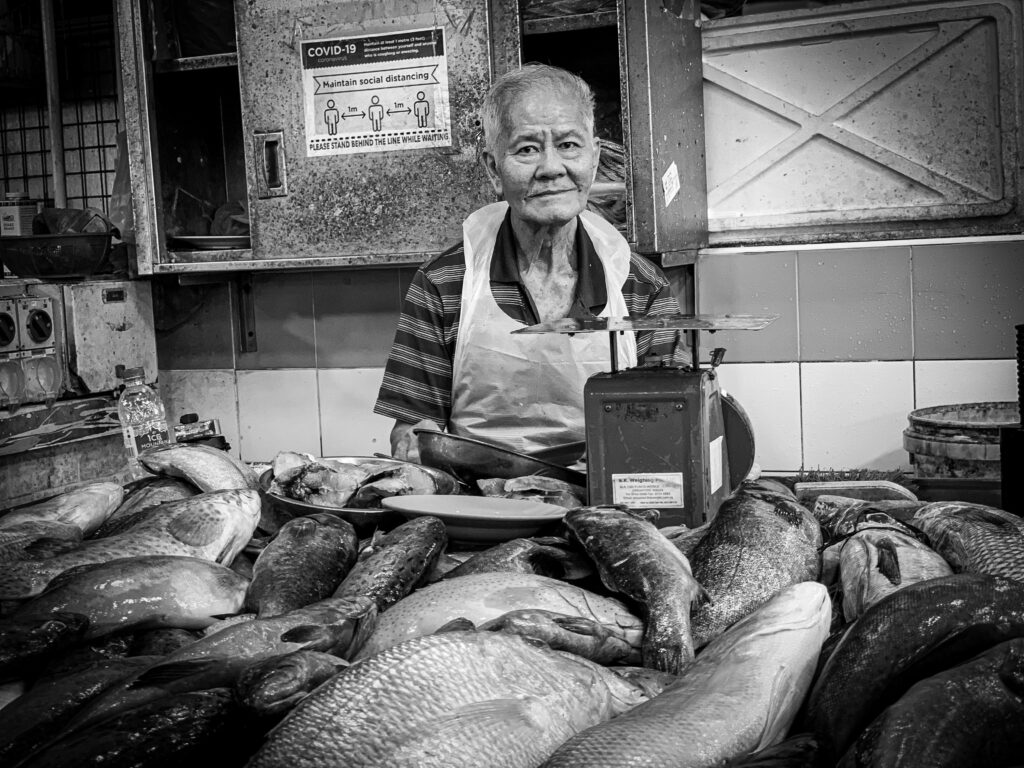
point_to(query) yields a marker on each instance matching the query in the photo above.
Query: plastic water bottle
(142, 414)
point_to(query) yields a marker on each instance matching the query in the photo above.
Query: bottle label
(141, 437)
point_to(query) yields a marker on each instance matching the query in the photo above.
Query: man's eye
(527, 150)
(570, 145)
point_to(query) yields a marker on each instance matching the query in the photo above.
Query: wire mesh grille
(89, 106)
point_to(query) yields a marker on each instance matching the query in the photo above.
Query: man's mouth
(551, 192)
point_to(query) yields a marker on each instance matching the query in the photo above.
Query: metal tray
(361, 518)
(470, 460)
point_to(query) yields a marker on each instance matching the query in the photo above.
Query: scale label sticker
(670, 183)
(652, 489)
(376, 93)
(715, 448)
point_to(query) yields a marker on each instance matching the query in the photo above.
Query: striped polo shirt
(418, 378)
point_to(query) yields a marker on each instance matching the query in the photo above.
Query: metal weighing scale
(663, 437)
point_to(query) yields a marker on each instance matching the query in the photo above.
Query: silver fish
(86, 507)
(974, 538)
(453, 699)
(209, 469)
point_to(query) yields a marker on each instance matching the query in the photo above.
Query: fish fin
(461, 624)
(547, 562)
(516, 714)
(319, 637)
(196, 527)
(155, 677)
(888, 560)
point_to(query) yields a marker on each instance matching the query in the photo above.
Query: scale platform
(663, 437)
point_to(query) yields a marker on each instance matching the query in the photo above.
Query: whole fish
(759, 543)
(196, 728)
(903, 638)
(974, 538)
(212, 526)
(83, 655)
(740, 695)
(269, 689)
(32, 539)
(208, 469)
(968, 715)
(335, 625)
(25, 643)
(547, 556)
(304, 562)
(484, 596)
(86, 507)
(140, 496)
(42, 711)
(137, 593)
(584, 637)
(875, 562)
(454, 699)
(401, 559)
(840, 515)
(635, 559)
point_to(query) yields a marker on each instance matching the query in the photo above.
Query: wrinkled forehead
(548, 105)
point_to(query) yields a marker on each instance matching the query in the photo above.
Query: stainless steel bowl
(470, 460)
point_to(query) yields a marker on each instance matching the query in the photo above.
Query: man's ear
(597, 158)
(490, 166)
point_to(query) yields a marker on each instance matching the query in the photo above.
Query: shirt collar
(591, 291)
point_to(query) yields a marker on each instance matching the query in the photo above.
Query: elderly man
(534, 257)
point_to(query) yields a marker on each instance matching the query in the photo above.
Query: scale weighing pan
(470, 460)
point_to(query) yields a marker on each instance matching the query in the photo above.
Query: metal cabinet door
(316, 75)
(874, 120)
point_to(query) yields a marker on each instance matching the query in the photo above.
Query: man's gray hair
(511, 86)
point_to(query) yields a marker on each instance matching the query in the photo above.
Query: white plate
(480, 518)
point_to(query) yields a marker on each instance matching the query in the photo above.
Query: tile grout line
(316, 367)
(799, 357)
(913, 339)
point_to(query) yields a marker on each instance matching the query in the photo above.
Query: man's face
(544, 164)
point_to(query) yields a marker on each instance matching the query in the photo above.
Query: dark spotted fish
(140, 496)
(400, 560)
(760, 542)
(635, 559)
(304, 562)
(548, 556)
(974, 538)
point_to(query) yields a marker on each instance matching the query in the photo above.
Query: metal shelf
(569, 23)
(194, 63)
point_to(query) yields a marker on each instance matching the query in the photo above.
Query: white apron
(525, 391)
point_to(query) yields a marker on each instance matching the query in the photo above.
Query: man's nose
(550, 163)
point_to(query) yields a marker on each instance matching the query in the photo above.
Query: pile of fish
(171, 622)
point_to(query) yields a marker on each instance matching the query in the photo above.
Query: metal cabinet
(343, 133)
(871, 120)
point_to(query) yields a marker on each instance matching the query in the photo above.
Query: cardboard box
(16, 217)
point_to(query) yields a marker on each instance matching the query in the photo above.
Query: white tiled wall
(854, 414)
(278, 410)
(770, 394)
(348, 425)
(943, 382)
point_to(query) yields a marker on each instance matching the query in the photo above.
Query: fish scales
(304, 562)
(740, 695)
(27, 540)
(209, 469)
(974, 538)
(635, 559)
(759, 543)
(401, 559)
(212, 526)
(142, 592)
(86, 507)
(449, 700)
(483, 597)
(909, 635)
(144, 495)
(977, 707)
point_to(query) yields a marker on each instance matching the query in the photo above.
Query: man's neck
(545, 250)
